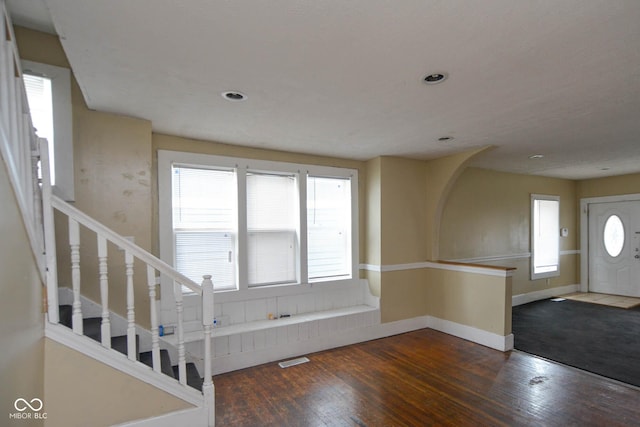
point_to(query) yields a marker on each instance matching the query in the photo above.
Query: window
(259, 224)
(38, 90)
(328, 227)
(272, 223)
(545, 239)
(49, 94)
(204, 226)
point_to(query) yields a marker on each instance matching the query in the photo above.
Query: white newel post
(155, 343)
(207, 324)
(74, 243)
(182, 367)
(105, 326)
(132, 351)
(51, 257)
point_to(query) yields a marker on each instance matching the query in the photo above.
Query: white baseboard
(222, 364)
(543, 294)
(237, 361)
(469, 333)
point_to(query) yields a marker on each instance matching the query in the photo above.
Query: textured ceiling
(558, 78)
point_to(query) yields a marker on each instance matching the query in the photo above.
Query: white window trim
(555, 273)
(62, 124)
(168, 158)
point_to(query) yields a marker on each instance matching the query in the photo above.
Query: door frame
(584, 230)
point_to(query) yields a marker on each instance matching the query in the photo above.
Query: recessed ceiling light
(434, 78)
(234, 95)
(445, 138)
(536, 156)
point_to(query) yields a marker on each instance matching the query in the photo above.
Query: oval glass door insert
(613, 235)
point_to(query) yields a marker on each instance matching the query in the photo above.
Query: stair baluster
(49, 235)
(74, 243)
(155, 344)
(182, 368)
(207, 324)
(131, 316)
(105, 326)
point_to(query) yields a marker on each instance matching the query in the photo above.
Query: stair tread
(193, 376)
(92, 328)
(65, 312)
(165, 361)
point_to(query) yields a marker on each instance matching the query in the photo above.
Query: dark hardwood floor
(422, 378)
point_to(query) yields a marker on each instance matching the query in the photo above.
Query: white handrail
(123, 243)
(18, 141)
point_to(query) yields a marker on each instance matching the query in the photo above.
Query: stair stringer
(116, 360)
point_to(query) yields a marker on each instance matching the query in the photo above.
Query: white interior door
(614, 248)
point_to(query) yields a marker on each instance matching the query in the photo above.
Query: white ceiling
(554, 77)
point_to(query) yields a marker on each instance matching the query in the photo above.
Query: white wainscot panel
(303, 331)
(247, 342)
(256, 310)
(235, 344)
(221, 346)
(293, 332)
(283, 337)
(271, 337)
(259, 340)
(314, 329)
(234, 311)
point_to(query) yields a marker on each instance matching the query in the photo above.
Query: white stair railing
(154, 267)
(21, 150)
(18, 141)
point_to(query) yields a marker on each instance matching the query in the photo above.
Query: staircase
(22, 153)
(92, 329)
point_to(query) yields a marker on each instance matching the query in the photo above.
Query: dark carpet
(599, 339)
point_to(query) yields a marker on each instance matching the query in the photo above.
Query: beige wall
(479, 301)
(21, 327)
(488, 214)
(396, 234)
(403, 211)
(442, 176)
(373, 224)
(80, 391)
(112, 168)
(610, 186)
(406, 198)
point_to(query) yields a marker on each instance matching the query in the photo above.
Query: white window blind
(39, 96)
(272, 224)
(328, 227)
(204, 224)
(545, 236)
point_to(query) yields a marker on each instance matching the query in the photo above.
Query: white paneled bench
(319, 317)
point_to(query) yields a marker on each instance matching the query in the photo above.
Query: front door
(614, 248)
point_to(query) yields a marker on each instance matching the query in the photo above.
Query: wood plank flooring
(422, 378)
